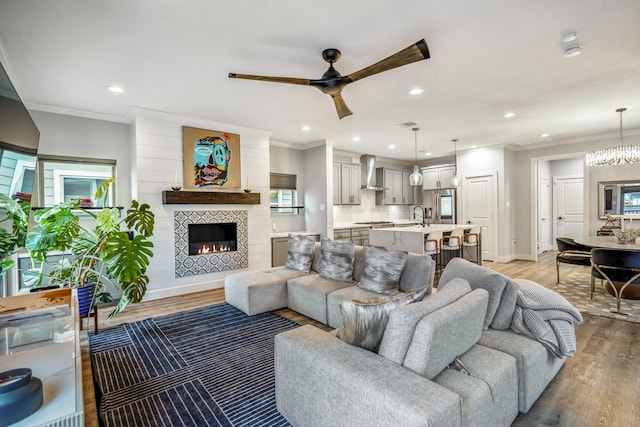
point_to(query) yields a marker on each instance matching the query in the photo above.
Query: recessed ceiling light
(544, 135)
(356, 139)
(392, 147)
(416, 91)
(427, 154)
(116, 89)
(508, 115)
(569, 37)
(474, 146)
(573, 50)
(306, 128)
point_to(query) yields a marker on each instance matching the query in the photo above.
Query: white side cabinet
(397, 190)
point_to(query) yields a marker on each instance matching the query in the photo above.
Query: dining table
(610, 242)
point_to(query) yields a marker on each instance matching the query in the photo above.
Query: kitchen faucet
(421, 213)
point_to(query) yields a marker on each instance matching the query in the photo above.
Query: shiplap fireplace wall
(156, 159)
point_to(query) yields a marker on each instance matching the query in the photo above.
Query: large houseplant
(102, 255)
(16, 215)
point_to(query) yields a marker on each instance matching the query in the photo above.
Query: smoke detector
(407, 124)
(572, 50)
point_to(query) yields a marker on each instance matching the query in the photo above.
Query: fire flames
(214, 248)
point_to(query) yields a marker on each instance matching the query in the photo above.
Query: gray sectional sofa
(462, 356)
(315, 296)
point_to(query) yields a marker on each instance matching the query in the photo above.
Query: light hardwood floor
(597, 387)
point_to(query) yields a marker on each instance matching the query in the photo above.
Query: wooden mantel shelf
(170, 197)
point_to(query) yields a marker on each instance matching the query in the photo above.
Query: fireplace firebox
(212, 238)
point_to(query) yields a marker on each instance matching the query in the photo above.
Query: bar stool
(472, 239)
(452, 244)
(432, 247)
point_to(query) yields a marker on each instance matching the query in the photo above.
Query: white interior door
(479, 206)
(568, 206)
(544, 215)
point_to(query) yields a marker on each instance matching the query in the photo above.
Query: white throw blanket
(547, 317)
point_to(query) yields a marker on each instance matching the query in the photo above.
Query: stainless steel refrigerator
(440, 206)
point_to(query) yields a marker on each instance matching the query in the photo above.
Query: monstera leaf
(140, 218)
(126, 259)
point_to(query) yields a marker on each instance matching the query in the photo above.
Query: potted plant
(16, 214)
(102, 255)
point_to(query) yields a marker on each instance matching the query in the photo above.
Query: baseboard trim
(525, 257)
(178, 290)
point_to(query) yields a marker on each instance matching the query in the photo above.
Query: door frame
(533, 181)
(541, 249)
(494, 202)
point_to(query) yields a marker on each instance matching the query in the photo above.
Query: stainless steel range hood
(368, 166)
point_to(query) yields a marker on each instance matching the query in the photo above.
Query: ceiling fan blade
(341, 106)
(292, 80)
(415, 52)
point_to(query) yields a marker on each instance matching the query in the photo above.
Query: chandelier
(416, 177)
(620, 155)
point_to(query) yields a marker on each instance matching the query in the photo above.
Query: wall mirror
(618, 198)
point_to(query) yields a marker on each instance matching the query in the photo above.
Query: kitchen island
(410, 239)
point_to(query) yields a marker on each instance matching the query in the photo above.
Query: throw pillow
(300, 252)
(336, 260)
(382, 270)
(364, 322)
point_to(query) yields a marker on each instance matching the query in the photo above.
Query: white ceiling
(487, 57)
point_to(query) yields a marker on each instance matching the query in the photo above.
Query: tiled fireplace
(210, 241)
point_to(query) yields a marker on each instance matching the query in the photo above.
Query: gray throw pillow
(336, 260)
(300, 252)
(382, 270)
(364, 322)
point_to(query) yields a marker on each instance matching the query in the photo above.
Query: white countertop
(425, 229)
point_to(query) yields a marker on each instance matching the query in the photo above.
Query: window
(68, 179)
(283, 197)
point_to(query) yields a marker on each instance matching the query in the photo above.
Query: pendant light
(416, 177)
(455, 180)
(620, 155)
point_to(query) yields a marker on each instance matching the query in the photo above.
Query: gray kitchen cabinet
(437, 177)
(350, 185)
(407, 191)
(360, 236)
(346, 183)
(280, 249)
(397, 190)
(342, 234)
(337, 183)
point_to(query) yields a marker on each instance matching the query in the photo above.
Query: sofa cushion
(336, 260)
(364, 322)
(536, 366)
(308, 295)
(418, 271)
(402, 322)
(382, 269)
(300, 252)
(432, 349)
(334, 315)
(502, 290)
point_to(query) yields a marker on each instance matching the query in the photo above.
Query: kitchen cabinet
(337, 183)
(359, 235)
(397, 190)
(280, 249)
(346, 184)
(438, 177)
(407, 190)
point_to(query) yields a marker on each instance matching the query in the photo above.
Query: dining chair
(621, 266)
(571, 252)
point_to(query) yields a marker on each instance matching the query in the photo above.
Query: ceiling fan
(332, 82)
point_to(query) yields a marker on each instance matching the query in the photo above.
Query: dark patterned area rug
(211, 366)
(576, 289)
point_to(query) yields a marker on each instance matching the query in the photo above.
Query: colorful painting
(211, 158)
